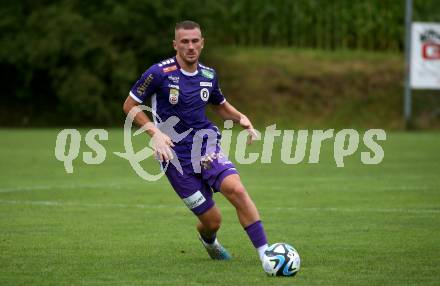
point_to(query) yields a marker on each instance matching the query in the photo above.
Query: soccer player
(183, 87)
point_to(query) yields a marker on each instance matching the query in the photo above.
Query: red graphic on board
(431, 51)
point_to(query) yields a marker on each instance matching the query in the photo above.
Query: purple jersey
(175, 92)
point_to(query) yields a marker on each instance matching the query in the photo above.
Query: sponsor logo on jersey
(204, 94)
(173, 86)
(207, 74)
(174, 96)
(206, 160)
(194, 200)
(206, 83)
(141, 88)
(169, 69)
(173, 78)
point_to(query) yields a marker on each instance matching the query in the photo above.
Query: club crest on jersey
(174, 96)
(207, 74)
(204, 94)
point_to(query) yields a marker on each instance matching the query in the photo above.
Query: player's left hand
(246, 124)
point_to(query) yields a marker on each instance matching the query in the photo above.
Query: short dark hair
(187, 25)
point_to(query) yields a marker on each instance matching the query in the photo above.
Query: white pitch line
(162, 206)
(378, 210)
(64, 187)
(312, 187)
(98, 205)
(309, 187)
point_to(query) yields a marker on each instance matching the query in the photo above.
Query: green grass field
(103, 225)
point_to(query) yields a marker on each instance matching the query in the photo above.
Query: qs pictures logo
(68, 144)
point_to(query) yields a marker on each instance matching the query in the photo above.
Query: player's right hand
(246, 124)
(252, 135)
(161, 144)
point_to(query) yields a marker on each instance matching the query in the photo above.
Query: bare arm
(161, 142)
(141, 119)
(228, 112)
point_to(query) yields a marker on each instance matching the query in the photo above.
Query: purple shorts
(196, 189)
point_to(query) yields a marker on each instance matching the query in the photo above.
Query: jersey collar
(186, 72)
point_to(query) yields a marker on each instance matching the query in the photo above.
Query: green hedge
(72, 62)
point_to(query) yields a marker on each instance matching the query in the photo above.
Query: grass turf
(103, 225)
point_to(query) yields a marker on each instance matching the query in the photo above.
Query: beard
(191, 59)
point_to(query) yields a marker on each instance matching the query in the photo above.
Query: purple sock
(256, 234)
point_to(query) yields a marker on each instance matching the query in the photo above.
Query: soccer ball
(281, 259)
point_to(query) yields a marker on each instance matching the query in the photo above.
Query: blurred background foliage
(72, 62)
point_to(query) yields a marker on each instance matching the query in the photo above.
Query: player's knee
(237, 191)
